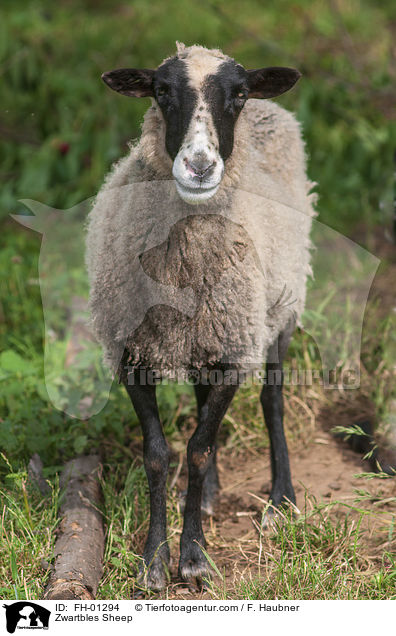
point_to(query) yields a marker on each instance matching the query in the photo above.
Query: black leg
(211, 484)
(156, 461)
(272, 403)
(200, 451)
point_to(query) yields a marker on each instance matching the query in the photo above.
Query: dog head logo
(26, 615)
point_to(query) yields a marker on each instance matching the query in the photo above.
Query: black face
(226, 93)
(177, 101)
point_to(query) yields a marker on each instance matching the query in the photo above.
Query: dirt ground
(325, 470)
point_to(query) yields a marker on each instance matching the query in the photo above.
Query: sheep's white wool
(200, 63)
(201, 138)
(185, 286)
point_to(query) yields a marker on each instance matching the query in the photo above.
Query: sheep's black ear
(271, 81)
(132, 82)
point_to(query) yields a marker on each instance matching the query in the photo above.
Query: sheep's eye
(162, 91)
(241, 95)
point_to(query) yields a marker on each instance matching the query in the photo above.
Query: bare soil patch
(325, 471)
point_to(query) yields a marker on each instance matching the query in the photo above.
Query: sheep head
(200, 94)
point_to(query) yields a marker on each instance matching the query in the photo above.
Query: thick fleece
(184, 286)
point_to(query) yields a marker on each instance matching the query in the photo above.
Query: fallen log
(79, 547)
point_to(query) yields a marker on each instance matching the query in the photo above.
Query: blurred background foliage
(61, 129)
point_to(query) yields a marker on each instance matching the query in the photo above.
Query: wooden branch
(79, 547)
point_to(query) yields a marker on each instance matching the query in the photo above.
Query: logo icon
(26, 615)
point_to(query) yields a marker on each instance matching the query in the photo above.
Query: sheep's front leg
(156, 462)
(200, 452)
(272, 403)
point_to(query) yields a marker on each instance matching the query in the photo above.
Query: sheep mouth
(197, 194)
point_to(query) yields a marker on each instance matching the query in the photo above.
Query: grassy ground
(342, 547)
(60, 131)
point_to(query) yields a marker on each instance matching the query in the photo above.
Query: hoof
(277, 515)
(154, 573)
(153, 577)
(272, 519)
(193, 564)
(207, 508)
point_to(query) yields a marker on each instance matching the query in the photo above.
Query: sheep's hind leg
(272, 402)
(200, 453)
(210, 487)
(211, 483)
(153, 574)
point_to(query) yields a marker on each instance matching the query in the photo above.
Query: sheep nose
(200, 166)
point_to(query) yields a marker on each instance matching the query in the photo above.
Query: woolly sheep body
(183, 286)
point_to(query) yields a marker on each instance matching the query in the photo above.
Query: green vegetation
(60, 130)
(317, 557)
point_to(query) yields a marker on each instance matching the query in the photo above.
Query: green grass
(322, 553)
(27, 530)
(317, 556)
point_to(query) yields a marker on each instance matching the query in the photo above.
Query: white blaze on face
(198, 167)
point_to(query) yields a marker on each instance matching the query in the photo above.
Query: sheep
(198, 253)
